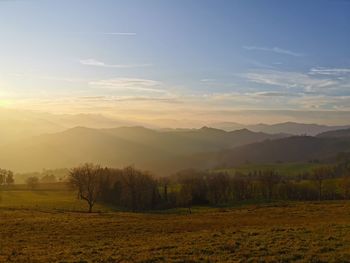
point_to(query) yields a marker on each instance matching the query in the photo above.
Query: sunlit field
(174, 131)
(286, 169)
(52, 226)
(43, 200)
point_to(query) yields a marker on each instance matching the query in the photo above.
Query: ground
(278, 232)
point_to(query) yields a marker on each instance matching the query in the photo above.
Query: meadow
(52, 226)
(286, 169)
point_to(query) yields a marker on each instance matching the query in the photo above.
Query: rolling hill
(344, 133)
(286, 127)
(291, 149)
(149, 149)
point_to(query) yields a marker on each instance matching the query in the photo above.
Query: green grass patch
(288, 169)
(65, 200)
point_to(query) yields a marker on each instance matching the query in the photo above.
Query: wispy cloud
(293, 80)
(275, 50)
(276, 94)
(133, 84)
(119, 33)
(323, 102)
(129, 98)
(97, 63)
(208, 80)
(329, 71)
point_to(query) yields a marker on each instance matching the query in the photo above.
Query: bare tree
(185, 197)
(9, 179)
(3, 174)
(86, 179)
(32, 182)
(139, 191)
(164, 183)
(269, 179)
(344, 184)
(319, 175)
(218, 188)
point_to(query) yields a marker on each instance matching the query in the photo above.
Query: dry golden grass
(308, 232)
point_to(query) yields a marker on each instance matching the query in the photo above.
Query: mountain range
(20, 124)
(286, 127)
(34, 141)
(146, 148)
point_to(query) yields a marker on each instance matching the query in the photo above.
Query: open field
(288, 169)
(38, 232)
(44, 200)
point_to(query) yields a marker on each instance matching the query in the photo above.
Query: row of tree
(34, 181)
(127, 188)
(6, 177)
(134, 190)
(198, 188)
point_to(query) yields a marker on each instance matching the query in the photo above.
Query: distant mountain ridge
(291, 149)
(286, 127)
(20, 124)
(122, 146)
(344, 133)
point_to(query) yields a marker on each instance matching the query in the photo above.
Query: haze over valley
(174, 131)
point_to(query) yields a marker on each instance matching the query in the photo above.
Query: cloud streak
(294, 80)
(97, 63)
(329, 71)
(275, 50)
(119, 33)
(131, 84)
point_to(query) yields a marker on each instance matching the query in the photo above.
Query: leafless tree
(269, 179)
(9, 178)
(345, 185)
(164, 183)
(32, 182)
(218, 188)
(86, 179)
(3, 175)
(319, 175)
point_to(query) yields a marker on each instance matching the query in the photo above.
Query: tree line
(6, 177)
(137, 190)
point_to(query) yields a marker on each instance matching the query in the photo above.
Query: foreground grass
(44, 200)
(309, 232)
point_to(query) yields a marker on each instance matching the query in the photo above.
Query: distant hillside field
(297, 149)
(288, 169)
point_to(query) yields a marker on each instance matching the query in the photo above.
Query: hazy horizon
(140, 62)
(174, 131)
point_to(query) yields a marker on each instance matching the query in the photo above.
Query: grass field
(44, 200)
(288, 169)
(50, 226)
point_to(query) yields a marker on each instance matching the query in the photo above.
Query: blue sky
(180, 59)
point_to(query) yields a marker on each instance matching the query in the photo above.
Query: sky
(184, 60)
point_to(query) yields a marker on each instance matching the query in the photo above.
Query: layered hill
(344, 133)
(286, 127)
(158, 151)
(291, 149)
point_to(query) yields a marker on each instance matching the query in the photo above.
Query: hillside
(344, 133)
(165, 152)
(19, 124)
(145, 148)
(286, 127)
(292, 149)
